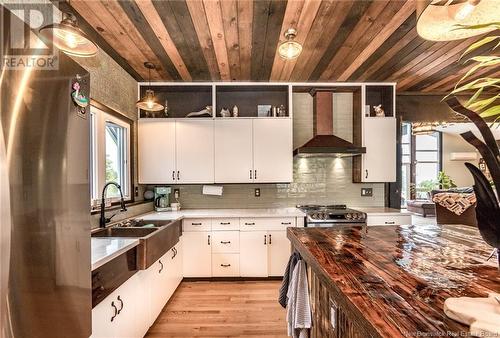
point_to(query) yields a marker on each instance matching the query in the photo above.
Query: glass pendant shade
(438, 20)
(149, 102)
(69, 38)
(290, 49)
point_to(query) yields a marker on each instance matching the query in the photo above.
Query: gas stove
(331, 215)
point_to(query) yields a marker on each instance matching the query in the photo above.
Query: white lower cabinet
(253, 253)
(236, 247)
(279, 250)
(115, 316)
(197, 255)
(225, 265)
(130, 310)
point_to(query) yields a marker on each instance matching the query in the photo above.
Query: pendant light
(69, 38)
(149, 102)
(290, 49)
(439, 20)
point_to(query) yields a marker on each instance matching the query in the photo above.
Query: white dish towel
(482, 314)
(298, 308)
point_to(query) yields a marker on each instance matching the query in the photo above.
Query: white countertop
(222, 213)
(382, 211)
(104, 250)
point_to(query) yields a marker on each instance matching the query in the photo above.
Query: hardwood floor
(222, 309)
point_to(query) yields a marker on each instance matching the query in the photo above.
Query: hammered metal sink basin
(153, 241)
(125, 232)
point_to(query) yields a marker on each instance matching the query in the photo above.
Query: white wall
(453, 143)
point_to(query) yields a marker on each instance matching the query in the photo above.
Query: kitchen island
(392, 281)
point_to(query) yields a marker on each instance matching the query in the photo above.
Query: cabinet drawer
(225, 265)
(388, 220)
(225, 224)
(226, 241)
(197, 224)
(260, 224)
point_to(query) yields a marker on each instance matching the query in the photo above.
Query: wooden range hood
(324, 143)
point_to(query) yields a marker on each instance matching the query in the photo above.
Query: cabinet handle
(225, 223)
(121, 302)
(270, 239)
(255, 174)
(161, 266)
(265, 239)
(390, 222)
(366, 173)
(178, 175)
(286, 223)
(250, 223)
(173, 175)
(208, 239)
(225, 265)
(195, 223)
(173, 250)
(225, 242)
(116, 311)
(250, 173)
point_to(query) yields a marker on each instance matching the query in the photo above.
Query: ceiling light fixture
(149, 102)
(69, 38)
(438, 20)
(290, 49)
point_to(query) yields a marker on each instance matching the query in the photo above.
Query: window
(420, 163)
(405, 163)
(110, 154)
(427, 163)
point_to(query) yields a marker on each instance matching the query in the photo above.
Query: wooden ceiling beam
(213, 12)
(330, 18)
(360, 35)
(197, 12)
(306, 20)
(153, 18)
(388, 29)
(230, 19)
(290, 20)
(443, 60)
(102, 21)
(267, 21)
(391, 53)
(245, 16)
(65, 7)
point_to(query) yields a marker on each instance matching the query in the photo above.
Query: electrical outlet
(366, 192)
(257, 192)
(177, 193)
(136, 191)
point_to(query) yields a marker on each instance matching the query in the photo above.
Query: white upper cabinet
(379, 138)
(233, 151)
(195, 151)
(272, 150)
(156, 145)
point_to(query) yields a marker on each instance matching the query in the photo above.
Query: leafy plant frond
(492, 111)
(496, 25)
(480, 43)
(482, 104)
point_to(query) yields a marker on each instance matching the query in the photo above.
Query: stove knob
(348, 216)
(355, 215)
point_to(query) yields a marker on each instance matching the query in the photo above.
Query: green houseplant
(483, 103)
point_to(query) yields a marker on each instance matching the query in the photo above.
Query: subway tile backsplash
(316, 180)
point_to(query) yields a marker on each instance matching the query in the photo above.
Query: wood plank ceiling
(236, 40)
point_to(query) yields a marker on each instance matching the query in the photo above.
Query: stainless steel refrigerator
(44, 202)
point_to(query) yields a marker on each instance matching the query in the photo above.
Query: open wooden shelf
(180, 100)
(248, 97)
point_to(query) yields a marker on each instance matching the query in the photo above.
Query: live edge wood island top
(392, 281)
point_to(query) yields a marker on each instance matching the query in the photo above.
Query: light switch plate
(177, 193)
(257, 192)
(366, 192)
